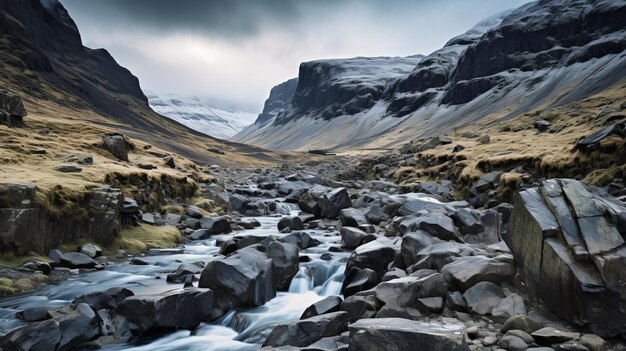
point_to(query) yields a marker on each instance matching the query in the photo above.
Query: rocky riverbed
(303, 261)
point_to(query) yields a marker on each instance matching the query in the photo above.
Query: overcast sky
(239, 49)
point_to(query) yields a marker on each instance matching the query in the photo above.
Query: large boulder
(375, 255)
(565, 235)
(243, 279)
(326, 305)
(117, 145)
(466, 271)
(176, 309)
(285, 263)
(352, 217)
(12, 110)
(331, 202)
(77, 260)
(307, 331)
(483, 297)
(405, 291)
(351, 237)
(215, 225)
(108, 299)
(398, 334)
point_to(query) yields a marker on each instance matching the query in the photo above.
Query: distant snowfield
(218, 119)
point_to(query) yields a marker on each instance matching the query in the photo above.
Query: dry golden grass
(516, 142)
(135, 240)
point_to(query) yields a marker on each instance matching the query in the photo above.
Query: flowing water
(237, 330)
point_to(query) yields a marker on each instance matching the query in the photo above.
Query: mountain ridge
(538, 56)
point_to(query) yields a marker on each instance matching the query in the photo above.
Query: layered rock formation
(27, 226)
(568, 242)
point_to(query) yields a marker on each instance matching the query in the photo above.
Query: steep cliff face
(280, 96)
(544, 53)
(331, 88)
(41, 37)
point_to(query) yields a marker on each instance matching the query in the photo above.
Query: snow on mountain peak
(218, 119)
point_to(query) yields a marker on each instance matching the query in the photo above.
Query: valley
(472, 198)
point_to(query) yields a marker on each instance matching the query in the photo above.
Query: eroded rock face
(565, 235)
(398, 334)
(26, 226)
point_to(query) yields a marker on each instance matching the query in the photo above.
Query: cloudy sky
(238, 49)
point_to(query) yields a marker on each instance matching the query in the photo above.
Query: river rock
(108, 299)
(404, 291)
(512, 343)
(359, 307)
(215, 225)
(565, 234)
(467, 221)
(91, 250)
(293, 223)
(351, 237)
(117, 145)
(77, 260)
(376, 215)
(176, 309)
(326, 305)
(375, 255)
(39, 336)
(549, 336)
(357, 280)
(35, 314)
(300, 239)
(483, 297)
(521, 322)
(511, 305)
(466, 271)
(331, 202)
(285, 263)
(593, 342)
(352, 217)
(243, 279)
(397, 334)
(307, 331)
(184, 273)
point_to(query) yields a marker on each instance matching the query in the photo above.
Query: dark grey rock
(117, 145)
(330, 203)
(483, 297)
(352, 217)
(177, 309)
(285, 263)
(326, 305)
(243, 279)
(307, 331)
(466, 271)
(77, 260)
(397, 334)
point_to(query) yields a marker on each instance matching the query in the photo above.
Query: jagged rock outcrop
(280, 97)
(570, 237)
(29, 226)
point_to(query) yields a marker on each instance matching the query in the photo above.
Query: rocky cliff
(280, 96)
(541, 55)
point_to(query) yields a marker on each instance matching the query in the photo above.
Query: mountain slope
(539, 56)
(215, 118)
(43, 60)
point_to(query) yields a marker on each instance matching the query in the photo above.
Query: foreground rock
(397, 334)
(564, 234)
(178, 309)
(307, 331)
(12, 110)
(117, 145)
(243, 279)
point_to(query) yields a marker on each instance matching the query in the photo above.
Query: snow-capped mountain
(217, 118)
(543, 54)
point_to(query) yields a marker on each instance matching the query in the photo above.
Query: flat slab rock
(398, 334)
